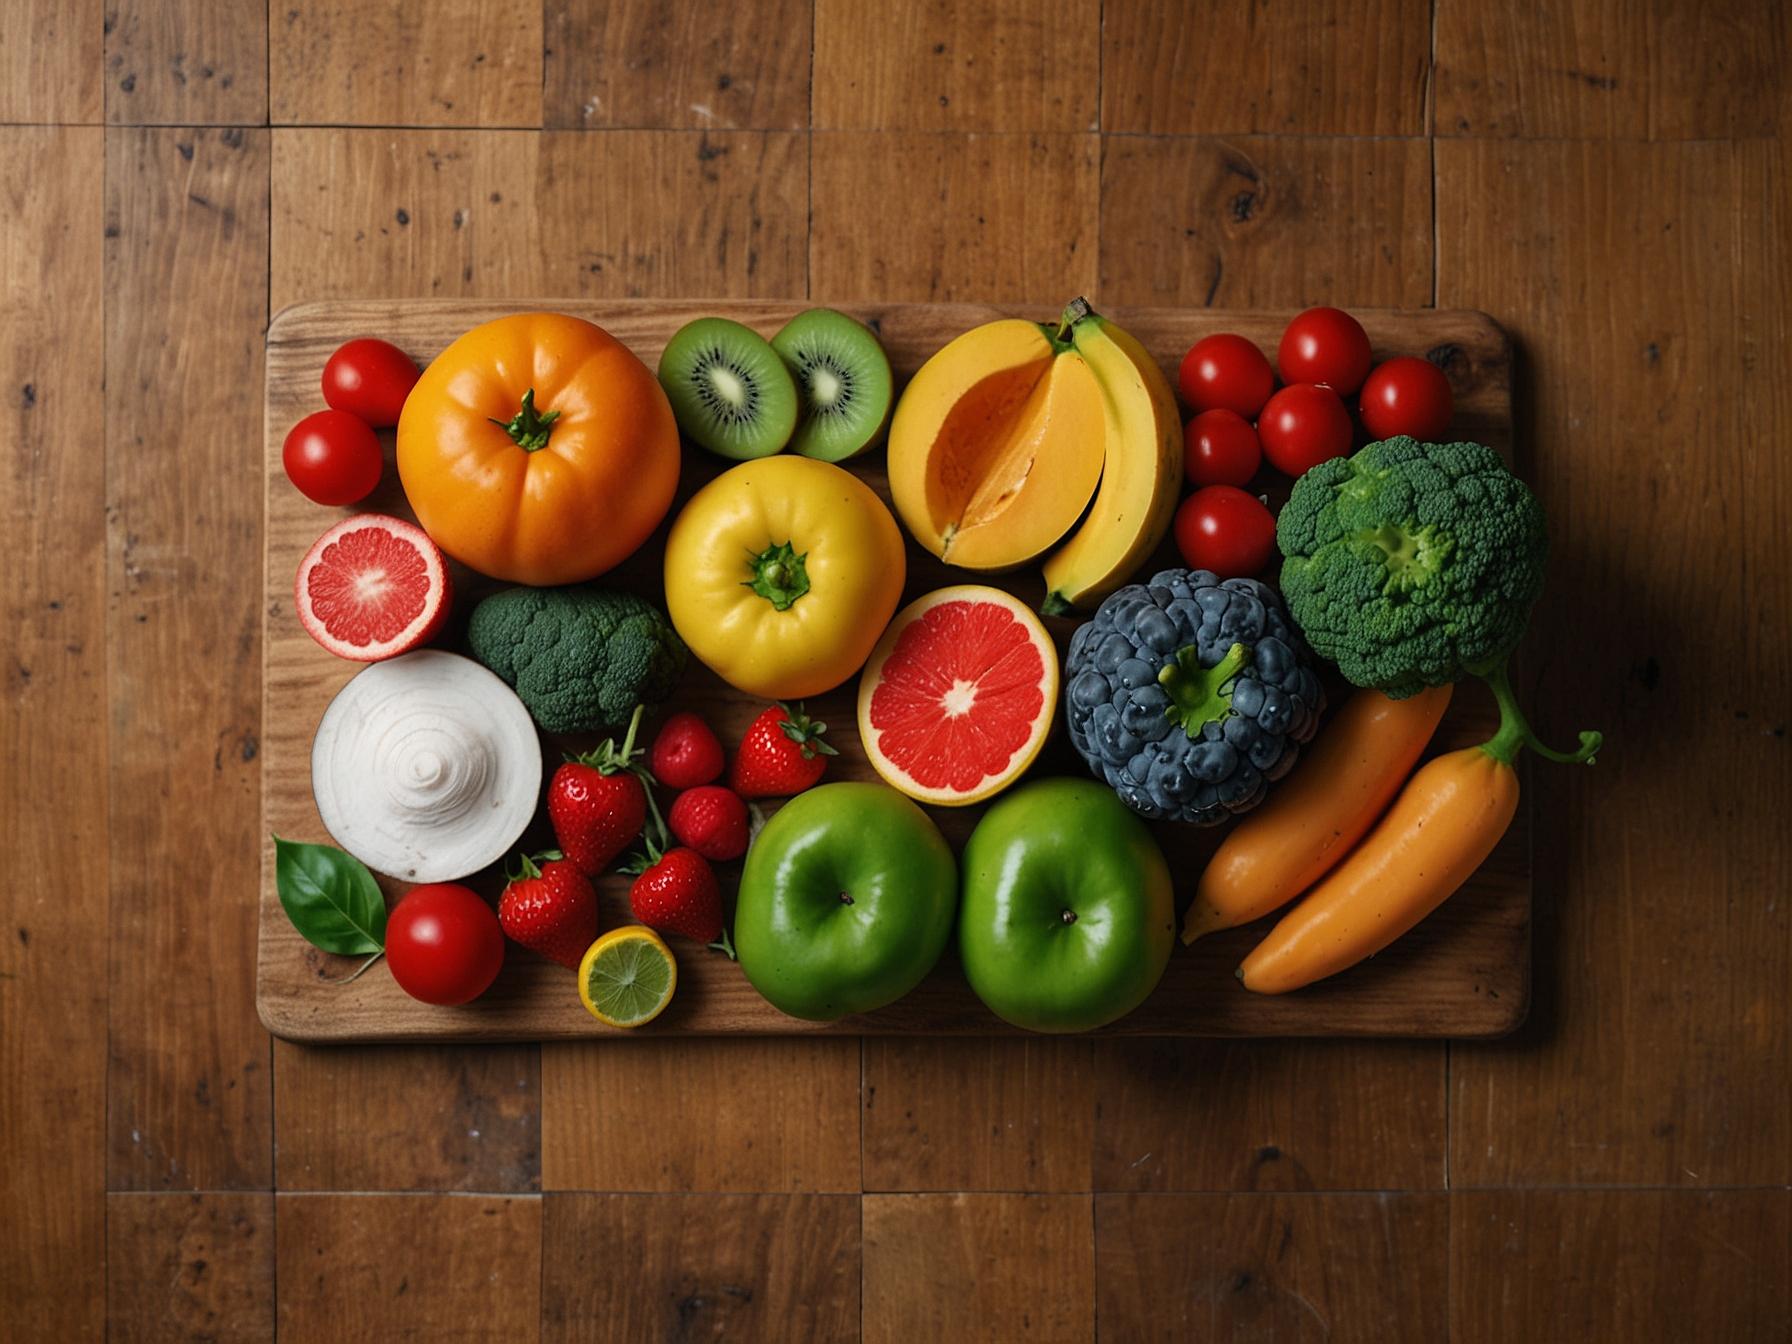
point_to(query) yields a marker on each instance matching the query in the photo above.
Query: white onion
(426, 767)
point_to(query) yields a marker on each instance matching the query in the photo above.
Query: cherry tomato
(1325, 345)
(1225, 372)
(444, 944)
(1407, 395)
(1304, 425)
(370, 379)
(333, 457)
(1226, 530)
(1220, 448)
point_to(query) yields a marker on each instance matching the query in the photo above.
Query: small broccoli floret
(1411, 564)
(581, 658)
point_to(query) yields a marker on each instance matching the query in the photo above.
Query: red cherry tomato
(1220, 448)
(444, 944)
(1225, 372)
(1407, 395)
(1302, 426)
(370, 379)
(1226, 530)
(333, 457)
(1325, 345)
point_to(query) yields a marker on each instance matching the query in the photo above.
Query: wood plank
(979, 1114)
(740, 1267)
(53, 723)
(1660, 1047)
(682, 1116)
(364, 213)
(1340, 1268)
(408, 1118)
(935, 65)
(976, 1267)
(1618, 70)
(52, 62)
(186, 296)
(655, 65)
(1270, 1116)
(1243, 67)
(186, 63)
(1463, 972)
(452, 63)
(1266, 222)
(446, 1268)
(1644, 1266)
(190, 1267)
(938, 217)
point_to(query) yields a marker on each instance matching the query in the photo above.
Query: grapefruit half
(373, 587)
(958, 696)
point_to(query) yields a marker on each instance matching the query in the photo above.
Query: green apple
(1066, 917)
(846, 901)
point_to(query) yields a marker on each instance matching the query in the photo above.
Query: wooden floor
(1610, 180)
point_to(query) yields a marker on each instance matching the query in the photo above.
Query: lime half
(627, 976)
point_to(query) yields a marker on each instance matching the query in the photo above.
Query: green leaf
(330, 897)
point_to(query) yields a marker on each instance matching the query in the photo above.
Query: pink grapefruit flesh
(958, 695)
(373, 587)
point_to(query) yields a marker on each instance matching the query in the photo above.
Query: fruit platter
(771, 756)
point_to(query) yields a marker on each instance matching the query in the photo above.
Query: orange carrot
(1344, 782)
(1445, 822)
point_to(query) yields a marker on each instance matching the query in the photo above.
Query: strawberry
(686, 753)
(781, 754)
(551, 909)
(598, 802)
(677, 892)
(712, 820)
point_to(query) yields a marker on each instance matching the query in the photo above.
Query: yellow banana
(1141, 478)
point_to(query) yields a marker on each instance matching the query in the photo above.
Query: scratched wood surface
(1607, 178)
(1463, 973)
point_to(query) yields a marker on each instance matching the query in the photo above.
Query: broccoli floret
(580, 657)
(1410, 564)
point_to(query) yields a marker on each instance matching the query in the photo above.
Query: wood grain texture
(1644, 1266)
(1619, 70)
(448, 63)
(51, 62)
(194, 1268)
(1661, 1044)
(677, 1267)
(186, 63)
(683, 65)
(1269, 1116)
(1266, 222)
(497, 214)
(934, 65)
(1462, 972)
(53, 726)
(408, 1118)
(948, 217)
(452, 1269)
(970, 1268)
(1242, 67)
(978, 1114)
(186, 295)
(740, 1115)
(1341, 1268)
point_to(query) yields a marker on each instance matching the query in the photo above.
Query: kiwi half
(730, 391)
(844, 378)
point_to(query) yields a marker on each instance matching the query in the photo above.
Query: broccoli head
(1410, 564)
(580, 657)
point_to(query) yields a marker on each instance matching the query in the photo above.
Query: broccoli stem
(1514, 733)
(1199, 694)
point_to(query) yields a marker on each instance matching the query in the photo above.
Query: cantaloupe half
(996, 446)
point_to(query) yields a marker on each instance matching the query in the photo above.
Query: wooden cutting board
(1465, 972)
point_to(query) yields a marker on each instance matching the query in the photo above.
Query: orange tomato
(538, 449)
